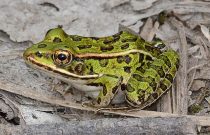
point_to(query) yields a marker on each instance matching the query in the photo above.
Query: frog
(103, 66)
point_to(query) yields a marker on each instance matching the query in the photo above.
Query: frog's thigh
(144, 87)
(110, 86)
(139, 89)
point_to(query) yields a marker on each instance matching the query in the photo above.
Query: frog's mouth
(56, 71)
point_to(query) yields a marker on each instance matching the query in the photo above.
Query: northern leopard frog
(103, 66)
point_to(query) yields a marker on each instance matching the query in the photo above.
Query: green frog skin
(101, 66)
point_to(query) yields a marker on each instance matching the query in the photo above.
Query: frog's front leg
(110, 86)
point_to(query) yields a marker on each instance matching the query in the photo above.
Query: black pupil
(62, 57)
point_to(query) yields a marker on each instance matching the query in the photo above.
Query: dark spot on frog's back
(123, 87)
(41, 45)
(95, 38)
(149, 48)
(128, 59)
(127, 69)
(84, 46)
(141, 57)
(107, 41)
(76, 38)
(120, 59)
(111, 40)
(106, 48)
(116, 38)
(57, 40)
(141, 69)
(125, 46)
(148, 58)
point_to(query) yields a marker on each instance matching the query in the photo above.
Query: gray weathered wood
(116, 126)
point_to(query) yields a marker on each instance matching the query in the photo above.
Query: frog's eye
(62, 57)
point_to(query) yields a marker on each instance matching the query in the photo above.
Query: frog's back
(121, 42)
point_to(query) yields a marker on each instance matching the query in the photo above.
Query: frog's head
(56, 55)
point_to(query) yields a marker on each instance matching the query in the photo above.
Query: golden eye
(62, 57)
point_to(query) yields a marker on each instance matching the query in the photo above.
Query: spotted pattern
(76, 38)
(95, 38)
(148, 79)
(149, 48)
(84, 46)
(141, 57)
(106, 48)
(120, 59)
(111, 41)
(125, 46)
(57, 40)
(148, 58)
(127, 59)
(127, 69)
(155, 76)
(42, 45)
(141, 69)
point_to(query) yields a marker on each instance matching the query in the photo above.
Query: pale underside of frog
(103, 66)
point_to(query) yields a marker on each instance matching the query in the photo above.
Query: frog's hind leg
(110, 86)
(146, 85)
